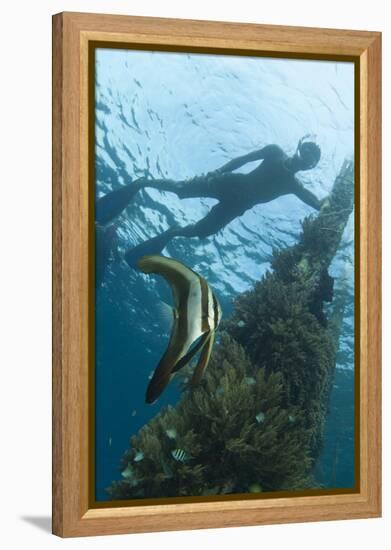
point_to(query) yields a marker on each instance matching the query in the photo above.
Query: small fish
(196, 316)
(134, 412)
(130, 475)
(250, 380)
(110, 441)
(260, 417)
(241, 324)
(171, 433)
(255, 488)
(128, 472)
(291, 418)
(179, 455)
(138, 457)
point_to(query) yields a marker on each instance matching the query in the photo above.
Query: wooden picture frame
(73, 33)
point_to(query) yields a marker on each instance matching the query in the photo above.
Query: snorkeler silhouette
(236, 192)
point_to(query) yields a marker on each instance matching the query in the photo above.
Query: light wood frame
(72, 32)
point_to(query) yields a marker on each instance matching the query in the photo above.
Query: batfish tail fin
(203, 360)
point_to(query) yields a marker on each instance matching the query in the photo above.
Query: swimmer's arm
(306, 196)
(260, 154)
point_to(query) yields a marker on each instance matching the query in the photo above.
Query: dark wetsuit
(235, 193)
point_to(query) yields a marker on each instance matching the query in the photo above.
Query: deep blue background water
(180, 115)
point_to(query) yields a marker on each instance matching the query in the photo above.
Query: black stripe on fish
(204, 305)
(189, 356)
(215, 311)
(179, 455)
(203, 359)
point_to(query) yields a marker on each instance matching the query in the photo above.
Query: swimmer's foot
(108, 207)
(152, 246)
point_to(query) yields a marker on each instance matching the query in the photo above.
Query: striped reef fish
(179, 455)
(196, 316)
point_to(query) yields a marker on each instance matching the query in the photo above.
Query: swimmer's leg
(108, 207)
(201, 186)
(217, 218)
(151, 246)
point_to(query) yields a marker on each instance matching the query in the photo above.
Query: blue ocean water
(169, 115)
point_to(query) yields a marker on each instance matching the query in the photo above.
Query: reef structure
(255, 422)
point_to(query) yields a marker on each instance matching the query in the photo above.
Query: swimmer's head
(306, 157)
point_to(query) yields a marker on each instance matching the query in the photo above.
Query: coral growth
(280, 334)
(234, 431)
(281, 322)
(255, 423)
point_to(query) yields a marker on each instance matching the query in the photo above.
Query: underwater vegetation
(281, 322)
(255, 422)
(216, 441)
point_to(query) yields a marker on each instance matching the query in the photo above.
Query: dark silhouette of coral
(255, 423)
